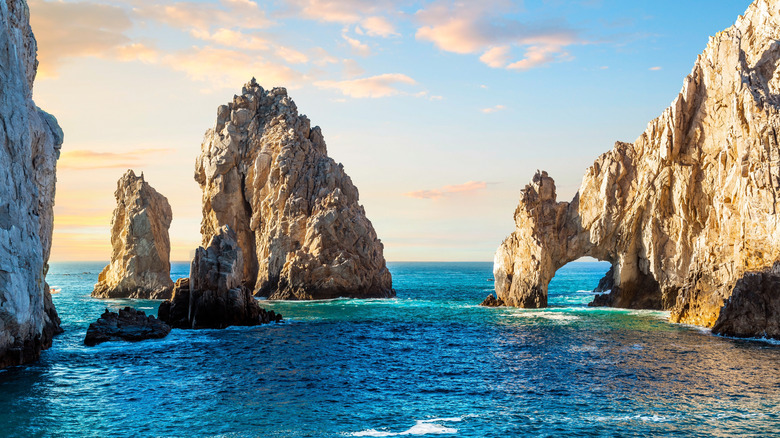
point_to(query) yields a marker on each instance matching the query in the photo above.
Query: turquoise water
(430, 362)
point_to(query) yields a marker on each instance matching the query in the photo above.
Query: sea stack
(265, 172)
(214, 295)
(685, 211)
(140, 264)
(30, 147)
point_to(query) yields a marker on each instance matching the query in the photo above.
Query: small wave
(422, 427)
(643, 418)
(553, 316)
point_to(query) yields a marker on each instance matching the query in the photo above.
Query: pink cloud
(447, 190)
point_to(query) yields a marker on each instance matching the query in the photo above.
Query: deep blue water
(428, 362)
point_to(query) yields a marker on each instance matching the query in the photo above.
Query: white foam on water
(643, 418)
(553, 316)
(422, 427)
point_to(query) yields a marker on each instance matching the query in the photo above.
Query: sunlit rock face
(29, 148)
(140, 264)
(684, 211)
(265, 172)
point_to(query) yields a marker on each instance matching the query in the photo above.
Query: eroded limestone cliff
(30, 146)
(140, 264)
(688, 208)
(265, 172)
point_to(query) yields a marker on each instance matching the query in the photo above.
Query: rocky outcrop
(126, 325)
(265, 172)
(607, 282)
(29, 148)
(753, 309)
(140, 264)
(214, 296)
(492, 301)
(684, 211)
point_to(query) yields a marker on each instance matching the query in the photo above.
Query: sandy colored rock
(265, 172)
(140, 264)
(684, 211)
(214, 295)
(29, 148)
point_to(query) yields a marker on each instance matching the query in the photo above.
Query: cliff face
(140, 260)
(264, 171)
(31, 141)
(688, 208)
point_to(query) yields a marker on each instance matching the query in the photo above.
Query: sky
(441, 112)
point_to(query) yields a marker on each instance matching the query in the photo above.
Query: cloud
(352, 69)
(479, 28)
(447, 190)
(344, 11)
(291, 56)
(232, 38)
(74, 29)
(225, 68)
(493, 109)
(378, 26)
(358, 47)
(496, 57)
(204, 16)
(87, 159)
(383, 85)
(656, 68)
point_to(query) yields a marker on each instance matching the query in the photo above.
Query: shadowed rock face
(29, 148)
(264, 171)
(753, 309)
(140, 259)
(684, 211)
(214, 296)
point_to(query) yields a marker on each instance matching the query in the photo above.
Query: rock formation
(214, 296)
(688, 208)
(140, 264)
(29, 148)
(265, 172)
(753, 307)
(126, 325)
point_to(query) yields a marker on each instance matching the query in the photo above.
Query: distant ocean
(430, 362)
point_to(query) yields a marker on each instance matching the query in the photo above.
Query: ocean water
(428, 363)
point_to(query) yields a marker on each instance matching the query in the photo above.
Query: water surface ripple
(430, 362)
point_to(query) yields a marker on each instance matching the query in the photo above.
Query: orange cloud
(447, 190)
(86, 159)
(375, 86)
(358, 47)
(478, 27)
(343, 11)
(203, 16)
(377, 26)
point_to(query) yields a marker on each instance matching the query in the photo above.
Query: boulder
(492, 301)
(753, 308)
(140, 264)
(265, 172)
(126, 325)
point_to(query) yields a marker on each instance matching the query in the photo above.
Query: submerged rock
(753, 309)
(29, 149)
(214, 296)
(265, 172)
(126, 325)
(140, 264)
(684, 211)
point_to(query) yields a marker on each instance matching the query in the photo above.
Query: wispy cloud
(479, 28)
(447, 190)
(493, 109)
(375, 86)
(87, 159)
(377, 27)
(656, 68)
(358, 47)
